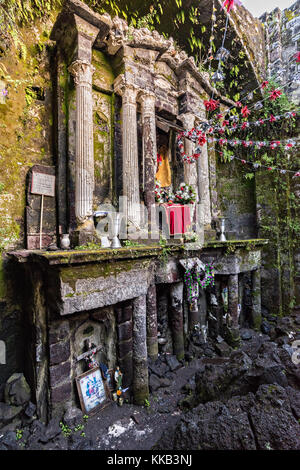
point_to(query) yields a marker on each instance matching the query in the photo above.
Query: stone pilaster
(140, 365)
(256, 298)
(152, 345)
(130, 149)
(176, 293)
(193, 314)
(82, 72)
(233, 337)
(147, 100)
(204, 184)
(190, 169)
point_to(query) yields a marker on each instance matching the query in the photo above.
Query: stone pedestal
(149, 154)
(152, 345)
(176, 293)
(256, 299)
(131, 188)
(140, 365)
(82, 72)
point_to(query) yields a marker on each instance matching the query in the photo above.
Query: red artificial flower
(272, 118)
(270, 168)
(245, 111)
(264, 84)
(296, 174)
(219, 116)
(243, 161)
(245, 125)
(297, 55)
(225, 123)
(275, 94)
(211, 105)
(238, 104)
(201, 139)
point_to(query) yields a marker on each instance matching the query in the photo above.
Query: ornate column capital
(82, 72)
(128, 91)
(188, 120)
(147, 100)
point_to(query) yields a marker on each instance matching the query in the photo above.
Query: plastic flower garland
(163, 194)
(192, 276)
(186, 194)
(195, 135)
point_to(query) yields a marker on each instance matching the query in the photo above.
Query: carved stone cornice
(82, 72)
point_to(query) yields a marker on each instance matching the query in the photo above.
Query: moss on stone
(2, 281)
(70, 275)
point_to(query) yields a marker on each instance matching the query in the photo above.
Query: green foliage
(88, 246)
(147, 403)
(130, 243)
(66, 430)
(19, 434)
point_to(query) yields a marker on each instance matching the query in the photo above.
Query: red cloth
(178, 217)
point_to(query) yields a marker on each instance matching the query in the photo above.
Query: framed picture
(93, 391)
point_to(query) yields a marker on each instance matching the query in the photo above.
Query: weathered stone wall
(282, 34)
(236, 200)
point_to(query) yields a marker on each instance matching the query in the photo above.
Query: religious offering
(93, 391)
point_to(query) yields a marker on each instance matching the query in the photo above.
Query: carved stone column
(130, 149)
(140, 365)
(256, 299)
(82, 72)
(149, 151)
(176, 292)
(152, 345)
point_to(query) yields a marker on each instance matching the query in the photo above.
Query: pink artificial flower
(297, 55)
(229, 4)
(272, 118)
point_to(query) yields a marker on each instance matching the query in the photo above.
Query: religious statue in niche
(163, 174)
(90, 359)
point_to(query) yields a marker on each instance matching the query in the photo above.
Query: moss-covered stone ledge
(234, 256)
(234, 244)
(69, 257)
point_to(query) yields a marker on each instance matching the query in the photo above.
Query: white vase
(65, 241)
